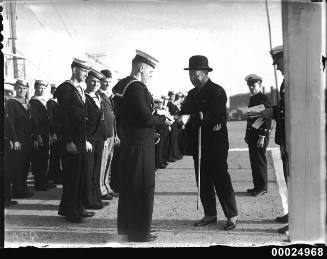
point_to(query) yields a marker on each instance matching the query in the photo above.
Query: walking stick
(199, 164)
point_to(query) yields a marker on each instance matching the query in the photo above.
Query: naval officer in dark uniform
(277, 112)
(205, 106)
(71, 99)
(138, 123)
(257, 136)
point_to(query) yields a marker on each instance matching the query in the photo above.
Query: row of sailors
(33, 139)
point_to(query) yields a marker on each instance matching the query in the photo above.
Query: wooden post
(304, 34)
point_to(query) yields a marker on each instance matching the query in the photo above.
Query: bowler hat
(198, 62)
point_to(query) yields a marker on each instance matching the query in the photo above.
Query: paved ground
(34, 221)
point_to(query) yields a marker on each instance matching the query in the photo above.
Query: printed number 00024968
(293, 251)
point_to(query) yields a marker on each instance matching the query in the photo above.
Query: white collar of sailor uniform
(41, 99)
(23, 101)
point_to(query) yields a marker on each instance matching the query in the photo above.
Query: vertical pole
(304, 45)
(12, 25)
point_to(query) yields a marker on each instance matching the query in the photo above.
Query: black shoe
(260, 193)
(104, 203)
(230, 224)
(283, 230)
(250, 190)
(149, 238)
(87, 214)
(40, 189)
(94, 207)
(25, 194)
(282, 219)
(162, 166)
(9, 203)
(74, 219)
(204, 222)
(61, 212)
(113, 194)
(51, 185)
(106, 197)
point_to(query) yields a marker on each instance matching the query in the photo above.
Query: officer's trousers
(258, 163)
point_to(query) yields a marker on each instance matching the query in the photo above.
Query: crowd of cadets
(33, 140)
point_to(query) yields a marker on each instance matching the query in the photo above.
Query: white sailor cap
(40, 82)
(145, 58)
(81, 63)
(251, 78)
(157, 101)
(95, 74)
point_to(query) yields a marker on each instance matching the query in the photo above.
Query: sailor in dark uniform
(163, 130)
(7, 157)
(257, 136)
(21, 137)
(55, 171)
(71, 99)
(205, 106)
(41, 132)
(136, 194)
(277, 112)
(97, 133)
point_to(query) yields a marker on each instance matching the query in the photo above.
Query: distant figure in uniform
(55, 170)
(21, 137)
(108, 152)
(41, 133)
(278, 113)
(71, 99)
(205, 106)
(174, 151)
(136, 191)
(97, 133)
(161, 161)
(257, 136)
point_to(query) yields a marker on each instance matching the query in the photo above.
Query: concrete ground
(35, 222)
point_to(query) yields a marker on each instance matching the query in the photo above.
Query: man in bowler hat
(205, 107)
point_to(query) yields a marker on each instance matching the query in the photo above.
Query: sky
(233, 35)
